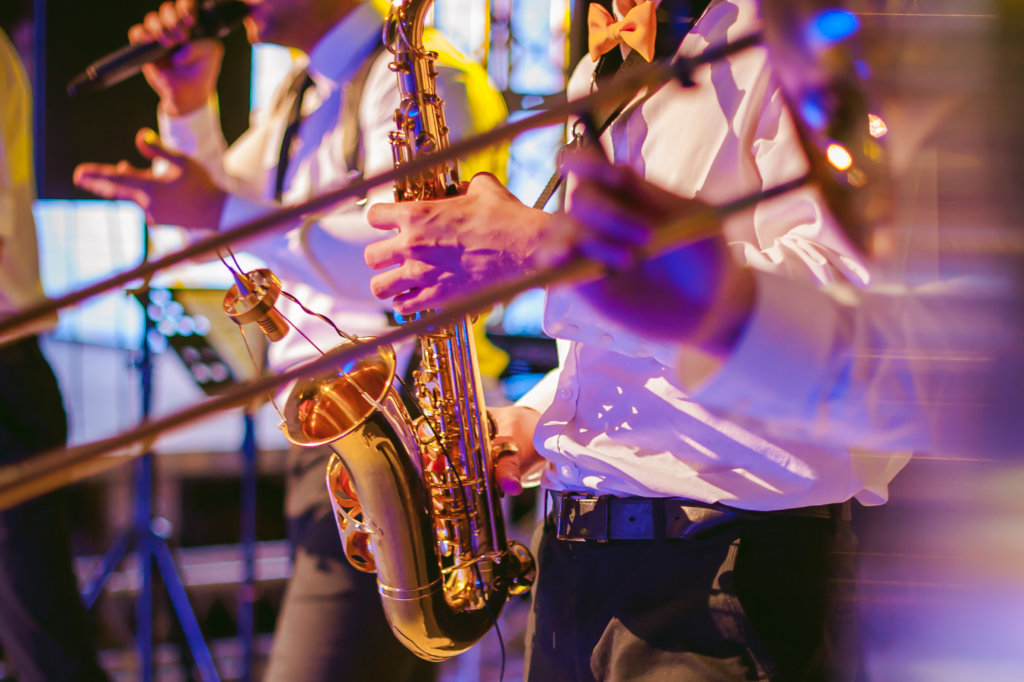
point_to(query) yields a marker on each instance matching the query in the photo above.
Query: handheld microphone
(216, 19)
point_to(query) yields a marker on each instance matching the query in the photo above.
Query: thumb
(149, 145)
(507, 467)
(481, 182)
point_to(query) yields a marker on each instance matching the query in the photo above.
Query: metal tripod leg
(247, 590)
(151, 549)
(150, 541)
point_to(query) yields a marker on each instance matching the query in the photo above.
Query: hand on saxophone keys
(517, 465)
(447, 247)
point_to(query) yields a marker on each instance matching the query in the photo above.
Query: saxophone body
(413, 494)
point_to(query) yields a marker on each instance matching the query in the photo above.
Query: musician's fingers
(418, 298)
(483, 182)
(382, 254)
(154, 25)
(174, 24)
(108, 182)
(505, 456)
(394, 282)
(138, 35)
(507, 474)
(149, 145)
(385, 216)
(121, 172)
(414, 300)
(188, 10)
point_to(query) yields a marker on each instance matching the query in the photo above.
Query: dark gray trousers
(44, 628)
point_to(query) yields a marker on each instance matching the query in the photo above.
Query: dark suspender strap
(297, 91)
(351, 136)
(675, 19)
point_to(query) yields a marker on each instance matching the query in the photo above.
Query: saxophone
(414, 496)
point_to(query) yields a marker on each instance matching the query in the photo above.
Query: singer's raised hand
(183, 194)
(187, 77)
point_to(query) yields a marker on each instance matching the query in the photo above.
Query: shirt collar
(342, 49)
(628, 4)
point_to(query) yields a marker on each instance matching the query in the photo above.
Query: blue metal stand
(247, 590)
(148, 535)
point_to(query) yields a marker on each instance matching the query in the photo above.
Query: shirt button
(565, 393)
(568, 471)
(605, 339)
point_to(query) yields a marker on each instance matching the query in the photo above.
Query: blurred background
(941, 567)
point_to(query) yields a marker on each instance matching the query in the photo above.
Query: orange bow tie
(636, 30)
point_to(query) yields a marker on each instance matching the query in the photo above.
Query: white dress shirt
(19, 258)
(616, 418)
(320, 259)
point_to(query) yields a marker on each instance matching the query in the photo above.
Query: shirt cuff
(196, 134)
(782, 359)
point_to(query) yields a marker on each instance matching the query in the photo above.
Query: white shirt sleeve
(794, 234)
(871, 369)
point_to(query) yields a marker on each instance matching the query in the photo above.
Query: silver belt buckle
(581, 517)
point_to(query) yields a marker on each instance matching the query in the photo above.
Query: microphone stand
(247, 589)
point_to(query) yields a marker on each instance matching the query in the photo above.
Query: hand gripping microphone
(216, 18)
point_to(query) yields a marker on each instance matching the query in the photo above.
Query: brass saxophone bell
(323, 408)
(328, 405)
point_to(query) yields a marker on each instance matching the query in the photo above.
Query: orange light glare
(838, 156)
(876, 126)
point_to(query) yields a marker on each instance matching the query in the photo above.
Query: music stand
(184, 320)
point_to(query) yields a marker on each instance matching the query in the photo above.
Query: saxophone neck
(419, 119)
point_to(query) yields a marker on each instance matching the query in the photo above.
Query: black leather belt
(584, 517)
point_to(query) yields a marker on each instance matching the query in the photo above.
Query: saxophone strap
(675, 19)
(297, 91)
(598, 122)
